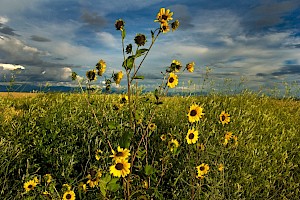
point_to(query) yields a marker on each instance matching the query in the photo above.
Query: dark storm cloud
(39, 39)
(7, 30)
(285, 70)
(93, 20)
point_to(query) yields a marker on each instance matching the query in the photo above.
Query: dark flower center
(191, 136)
(30, 186)
(68, 196)
(119, 166)
(193, 113)
(223, 117)
(119, 154)
(123, 100)
(171, 80)
(164, 17)
(202, 168)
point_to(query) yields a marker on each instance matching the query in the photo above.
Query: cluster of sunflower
(163, 17)
(123, 100)
(229, 137)
(121, 165)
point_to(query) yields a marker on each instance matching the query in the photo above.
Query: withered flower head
(91, 75)
(140, 39)
(129, 48)
(175, 25)
(119, 24)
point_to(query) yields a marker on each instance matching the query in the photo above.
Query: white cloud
(108, 40)
(3, 20)
(11, 66)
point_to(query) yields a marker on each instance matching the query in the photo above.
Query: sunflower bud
(129, 48)
(140, 39)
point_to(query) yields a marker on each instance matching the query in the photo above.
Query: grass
(57, 134)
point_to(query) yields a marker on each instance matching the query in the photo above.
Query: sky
(257, 41)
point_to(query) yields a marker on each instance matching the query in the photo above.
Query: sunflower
(173, 145)
(172, 80)
(94, 177)
(140, 39)
(48, 178)
(221, 167)
(175, 25)
(82, 187)
(91, 75)
(202, 169)
(176, 66)
(97, 154)
(201, 146)
(190, 67)
(227, 137)
(235, 138)
(67, 186)
(163, 137)
(152, 126)
(120, 168)
(192, 136)
(69, 195)
(123, 99)
(224, 117)
(164, 27)
(119, 24)
(195, 113)
(164, 15)
(120, 153)
(118, 77)
(29, 185)
(101, 66)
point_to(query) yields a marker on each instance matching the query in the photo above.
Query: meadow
(61, 140)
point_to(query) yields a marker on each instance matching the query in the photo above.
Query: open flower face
(172, 80)
(202, 169)
(224, 117)
(69, 195)
(164, 27)
(29, 185)
(120, 153)
(120, 168)
(164, 15)
(192, 136)
(195, 113)
(190, 67)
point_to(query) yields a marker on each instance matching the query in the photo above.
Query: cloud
(7, 30)
(39, 39)
(3, 20)
(93, 20)
(184, 16)
(108, 40)
(10, 66)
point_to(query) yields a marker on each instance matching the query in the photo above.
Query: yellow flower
(164, 15)
(91, 75)
(82, 187)
(201, 147)
(235, 138)
(152, 126)
(173, 144)
(190, 66)
(69, 195)
(67, 186)
(101, 66)
(221, 167)
(98, 152)
(202, 169)
(36, 180)
(119, 24)
(48, 178)
(175, 25)
(164, 27)
(172, 80)
(118, 77)
(163, 137)
(120, 168)
(224, 117)
(200, 177)
(175, 66)
(195, 113)
(120, 153)
(29, 185)
(227, 137)
(123, 99)
(192, 136)
(94, 177)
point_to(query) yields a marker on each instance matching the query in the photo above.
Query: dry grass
(17, 94)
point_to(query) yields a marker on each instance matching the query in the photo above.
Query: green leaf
(140, 52)
(105, 179)
(138, 77)
(113, 186)
(112, 125)
(103, 188)
(149, 170)
(126, 139)
(123, 33)
(128, 63)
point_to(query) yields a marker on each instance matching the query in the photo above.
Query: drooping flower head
(175, 66)
(190, 66)
(118, 77)
(120, 168)
(98, 154)
(140, 39)
(101, 66)
(195, 113)
(164, 15)
(69, 195)
(224, 117)
(119, 24)
(48, 178)
(175, 25)
(94, 177)
(172, 80)
(91, 75)
(120, 153)
(192, 136)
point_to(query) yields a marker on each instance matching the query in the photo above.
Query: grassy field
(254, 156)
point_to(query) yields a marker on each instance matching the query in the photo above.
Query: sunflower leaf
(128, 63)
(138, 77)
(140, 52)
(126, 139)
(112, 185)
(149, 170)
